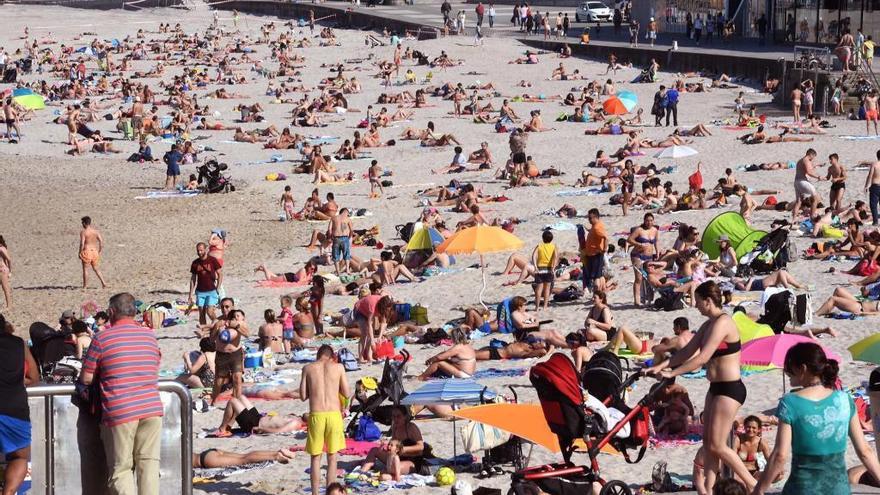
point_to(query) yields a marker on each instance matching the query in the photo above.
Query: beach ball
(445, 476)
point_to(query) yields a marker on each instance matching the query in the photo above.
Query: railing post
(49, 420)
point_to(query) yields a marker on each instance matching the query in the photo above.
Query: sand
(150, 243)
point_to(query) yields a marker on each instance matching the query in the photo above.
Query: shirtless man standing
(837, 176)
(11, 117)
(72, 123)
(339, 230)
(872, 187)
(137, 116)
(802, 187)
(871, 113)
(91, 245)
(322, 383)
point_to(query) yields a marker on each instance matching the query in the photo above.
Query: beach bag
(419, 314)
(570, 293)
(253, 358)
(405, 231)
(478, 437)
(384, 350)
(347, 359)
(669, 301)
(154, 317)
(403, 311)
(367, 431)
(801, 309)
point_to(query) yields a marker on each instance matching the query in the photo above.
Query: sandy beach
(151, 242)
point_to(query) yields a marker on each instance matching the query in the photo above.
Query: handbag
(478, 437)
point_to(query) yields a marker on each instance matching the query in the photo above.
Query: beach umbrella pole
(483, 289)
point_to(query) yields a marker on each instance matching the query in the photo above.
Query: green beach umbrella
(867, 349)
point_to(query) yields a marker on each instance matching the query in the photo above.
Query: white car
(593, 12)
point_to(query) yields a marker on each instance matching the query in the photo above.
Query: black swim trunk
(736, 390)
(204, 456)
(494, 354)
(248, 419)
(837, 186)
(291, 277)
(227, 364)
(544, 277)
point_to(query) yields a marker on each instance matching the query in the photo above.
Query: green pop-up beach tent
(742, 237)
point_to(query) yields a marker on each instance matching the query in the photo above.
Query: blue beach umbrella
(448, 392)
(628, 98)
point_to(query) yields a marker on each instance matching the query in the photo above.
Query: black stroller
(562, 401)
(211, 178)
(389, 388)
(54, 354)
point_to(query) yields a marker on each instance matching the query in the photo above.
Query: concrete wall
(677, 61)
(354, 19)
(99, 4)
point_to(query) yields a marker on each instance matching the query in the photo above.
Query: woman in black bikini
(717, 345)
(599, 325)
(643, 240)
(412, 455)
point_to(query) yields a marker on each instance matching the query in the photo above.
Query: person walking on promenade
(322, 384)
(445, 9)
(125, 358)
(491, 15)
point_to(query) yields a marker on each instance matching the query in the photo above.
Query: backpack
(669, 301)
(367, 431)
(405, 231)
(570, 293)
(347, 359)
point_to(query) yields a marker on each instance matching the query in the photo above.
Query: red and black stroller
(570, 418)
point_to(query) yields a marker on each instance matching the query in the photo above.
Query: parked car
(593, 11)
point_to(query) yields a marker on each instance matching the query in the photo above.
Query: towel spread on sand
(168, 194)
(217, 473)
(277, 284)
(592, 191)
(352, 447)
(500, 373)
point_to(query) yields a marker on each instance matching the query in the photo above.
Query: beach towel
(226, 472)
(352, 447)
(859, 138)
(502, 314)
(275, 284)
(500, 373)
(591, 191)
(304, 356)
(168, 194)
(561, 226)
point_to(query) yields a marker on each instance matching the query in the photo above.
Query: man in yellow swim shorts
(323, 382)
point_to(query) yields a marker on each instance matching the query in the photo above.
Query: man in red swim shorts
(871, 112)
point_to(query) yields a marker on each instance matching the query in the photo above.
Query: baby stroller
(598, 423)
(54, 354)
(390, 388)
(211, 178)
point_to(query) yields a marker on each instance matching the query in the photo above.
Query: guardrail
(66, 451)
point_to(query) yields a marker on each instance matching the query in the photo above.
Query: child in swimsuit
(286, 318)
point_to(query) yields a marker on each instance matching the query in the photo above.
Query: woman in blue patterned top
(814, 422)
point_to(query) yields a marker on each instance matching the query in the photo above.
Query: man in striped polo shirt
(125, 357)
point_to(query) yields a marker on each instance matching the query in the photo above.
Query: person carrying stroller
(716, 345)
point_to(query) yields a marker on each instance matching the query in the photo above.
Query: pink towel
(352, 447)
(273, 284)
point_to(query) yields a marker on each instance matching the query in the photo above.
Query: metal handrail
(48, 392)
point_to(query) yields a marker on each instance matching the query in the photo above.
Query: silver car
(593, 11)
